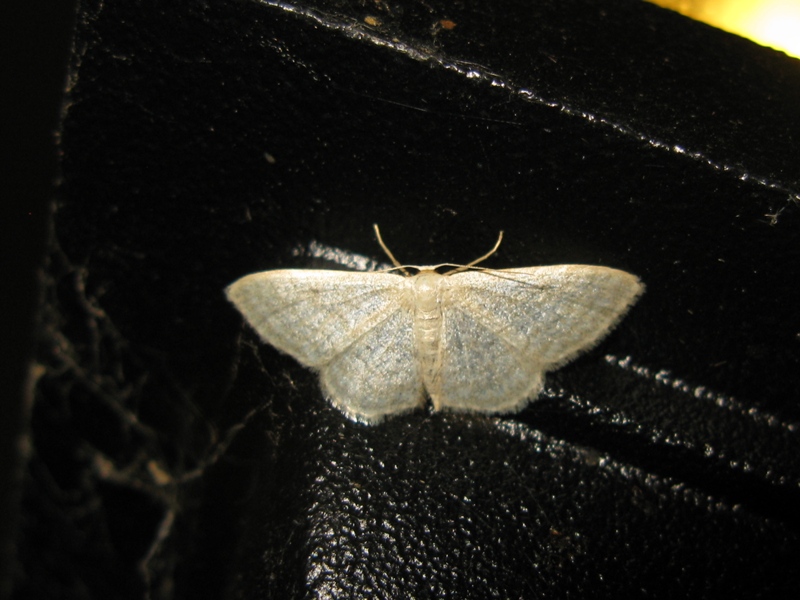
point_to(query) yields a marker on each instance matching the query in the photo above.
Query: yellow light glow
(774, 23)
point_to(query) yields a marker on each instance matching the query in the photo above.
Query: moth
(471, 339)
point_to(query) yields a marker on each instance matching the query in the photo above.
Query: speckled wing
(502, 330)
(352, 327)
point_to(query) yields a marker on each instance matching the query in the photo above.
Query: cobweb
(119, 455)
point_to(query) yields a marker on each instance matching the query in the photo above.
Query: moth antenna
(482, 258)
(389, 252)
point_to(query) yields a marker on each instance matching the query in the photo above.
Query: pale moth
(471, 339)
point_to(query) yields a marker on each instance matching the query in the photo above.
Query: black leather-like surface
(203, 141)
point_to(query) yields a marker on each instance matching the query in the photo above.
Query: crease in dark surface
(472, 70)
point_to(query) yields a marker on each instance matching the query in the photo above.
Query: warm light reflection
(774, 23)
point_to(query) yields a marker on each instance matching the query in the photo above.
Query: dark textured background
(201, 141)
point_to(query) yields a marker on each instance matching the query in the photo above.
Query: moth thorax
(427, 293)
